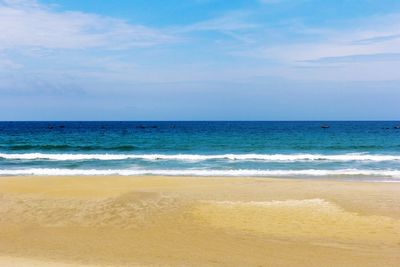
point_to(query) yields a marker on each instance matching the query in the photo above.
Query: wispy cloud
(264, 55)
(231, 21)
(370, 39)
(33, 28)
(377, 39)
(235, 25)
(7, 64)
(26, 23)
(358, 58)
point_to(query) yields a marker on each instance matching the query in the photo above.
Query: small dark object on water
(397, 127)
(324, 126)
(62, 126)
(145, 127)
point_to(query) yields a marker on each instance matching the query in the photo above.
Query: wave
(202, 172)
(195, 157)
(65, 147)
(69, 147)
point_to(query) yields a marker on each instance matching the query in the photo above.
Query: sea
(362, 150)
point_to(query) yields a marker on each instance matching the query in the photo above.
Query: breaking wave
(196, 157)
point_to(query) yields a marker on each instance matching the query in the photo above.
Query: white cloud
(7, 64)
(368, 37)
(26, 23)
(362, 49)
(235, 25)
(291, 49)
(232, 21)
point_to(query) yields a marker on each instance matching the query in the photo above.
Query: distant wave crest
(68, 147)
(196, 157)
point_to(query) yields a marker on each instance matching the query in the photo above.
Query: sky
(200, 60)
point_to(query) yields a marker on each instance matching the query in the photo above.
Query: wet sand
(188, 221)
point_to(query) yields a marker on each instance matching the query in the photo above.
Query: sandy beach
(189, 221)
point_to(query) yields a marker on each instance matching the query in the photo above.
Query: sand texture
(188, 221)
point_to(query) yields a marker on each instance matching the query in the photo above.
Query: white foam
(202, 172)
(196, 157)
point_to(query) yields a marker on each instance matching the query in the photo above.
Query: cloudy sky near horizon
(199, 60)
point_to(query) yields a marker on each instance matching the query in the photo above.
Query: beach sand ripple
(186, 221)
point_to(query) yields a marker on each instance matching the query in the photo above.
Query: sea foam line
(202, 172)
(196, 157)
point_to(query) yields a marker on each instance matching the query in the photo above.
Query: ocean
(345, 150)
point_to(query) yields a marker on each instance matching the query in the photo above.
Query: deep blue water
(345, 149)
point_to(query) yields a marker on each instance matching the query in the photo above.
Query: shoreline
(197, 221)
(326, 178)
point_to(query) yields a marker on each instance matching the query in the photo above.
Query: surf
(200, 157)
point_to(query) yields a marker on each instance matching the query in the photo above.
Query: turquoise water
(367, 150)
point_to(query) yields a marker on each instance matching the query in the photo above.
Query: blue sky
(199, 60)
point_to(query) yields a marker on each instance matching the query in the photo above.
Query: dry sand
(186, 221)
